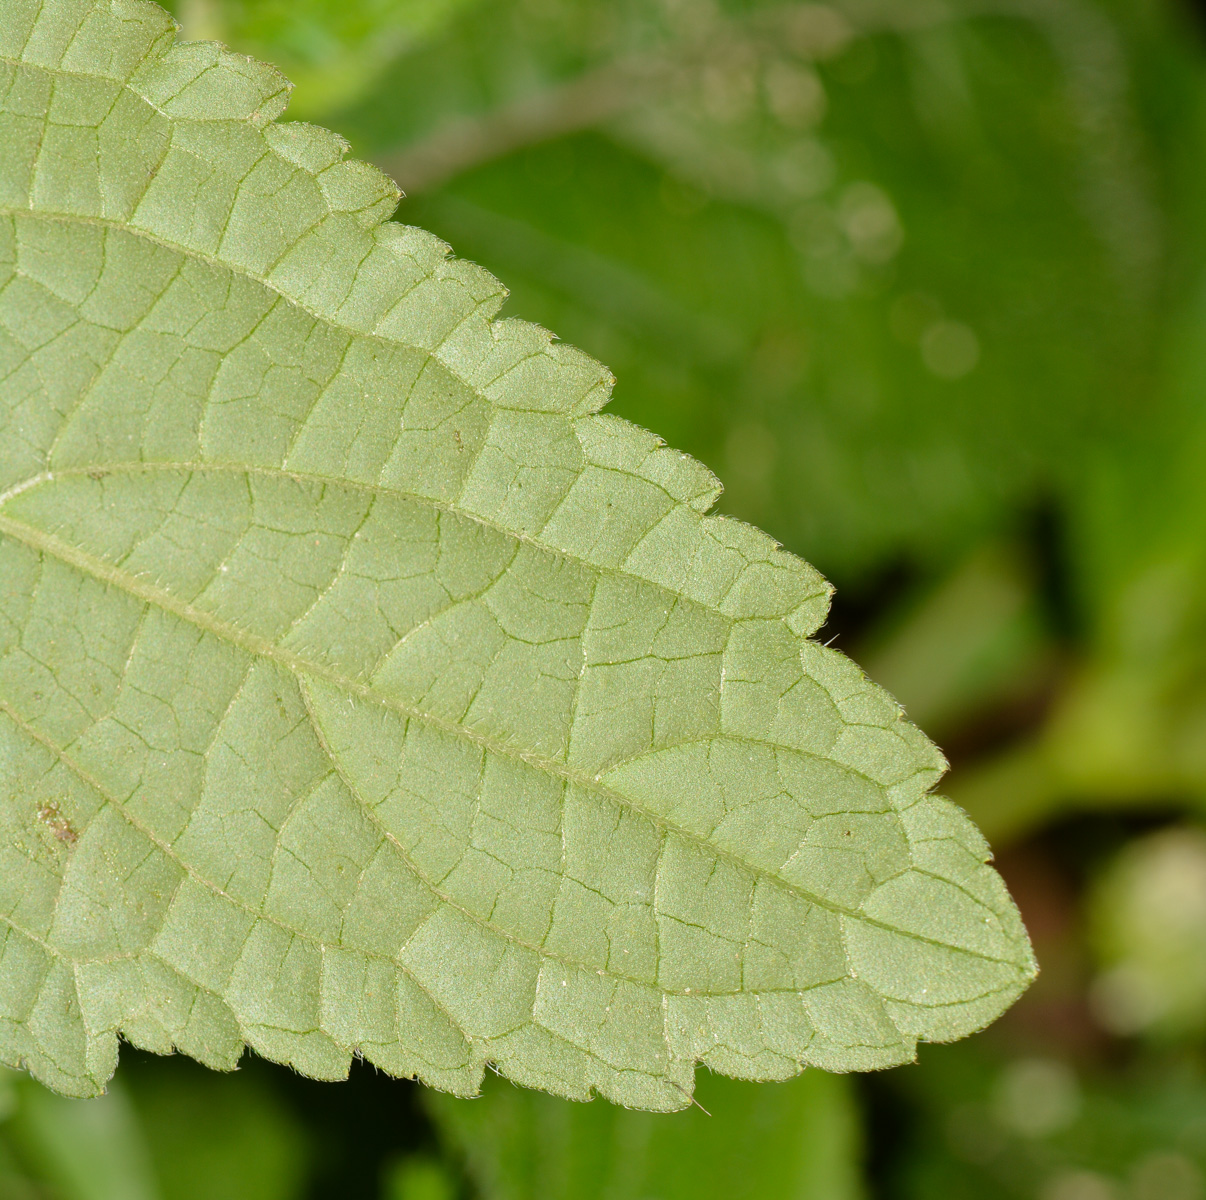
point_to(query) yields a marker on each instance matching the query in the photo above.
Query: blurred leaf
(333, 50)
(217, 1137)
(1149, 930)
(419, 1178)
(8, 1093)
(84, 1149)
(973, 641)
(797, 1140)
(1129, 730)
(14, 1181)
(1020, 1128)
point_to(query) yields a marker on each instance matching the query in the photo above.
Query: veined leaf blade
(363, 689)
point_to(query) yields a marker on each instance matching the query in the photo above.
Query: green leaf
(419, 1178)
(213, 1137)
(1149, 925)
(797, 1140)
(82, 1149)
(332, 49)
(363, 690)
(993, 1127)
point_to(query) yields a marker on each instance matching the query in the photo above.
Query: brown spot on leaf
(52, 817)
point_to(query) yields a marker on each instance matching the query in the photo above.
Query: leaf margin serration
(233, 96)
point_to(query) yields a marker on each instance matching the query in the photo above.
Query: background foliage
(924, 283)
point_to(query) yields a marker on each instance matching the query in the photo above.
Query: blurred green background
(925, 282)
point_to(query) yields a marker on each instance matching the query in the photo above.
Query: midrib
(260, 647)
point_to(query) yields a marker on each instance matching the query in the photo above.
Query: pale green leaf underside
(364, 691)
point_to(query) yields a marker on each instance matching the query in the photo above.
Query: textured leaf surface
(364, 690)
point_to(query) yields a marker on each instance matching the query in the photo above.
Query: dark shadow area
(350, 1132)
